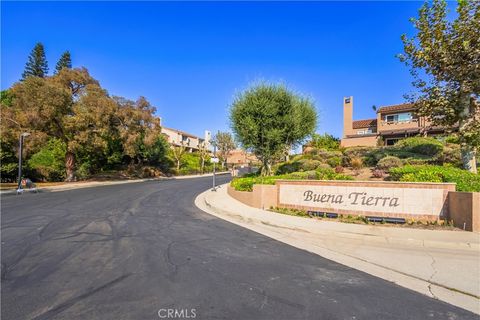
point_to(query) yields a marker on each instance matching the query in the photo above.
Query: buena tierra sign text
(362, 197)
(355, 198)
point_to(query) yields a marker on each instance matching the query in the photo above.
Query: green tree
(204, 155)
(65, 61)
(225, 143)
(70, 106)
(6, 97)
(36, 65)
(325, 141)
(268, 118)
(49, 161)
(178, 152)
(444, 59)
(8, 161)
(138, 129)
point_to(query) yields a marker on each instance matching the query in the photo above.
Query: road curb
(371, 237)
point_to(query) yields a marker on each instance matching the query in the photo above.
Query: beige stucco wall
(464, 210)
(360, 141)
(262, 197)
(412, 197)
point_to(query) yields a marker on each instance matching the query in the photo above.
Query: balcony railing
(387, 123)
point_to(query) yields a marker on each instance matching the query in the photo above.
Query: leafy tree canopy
(224, 143)
(444, 59)
(269, 118)
(325, 141)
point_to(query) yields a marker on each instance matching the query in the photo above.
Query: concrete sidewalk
(89, 184)
(441, 264)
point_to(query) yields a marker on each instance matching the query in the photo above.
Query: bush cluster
(465, 180)
(414, 150)
(246, 183)
(389, 162)
(420, 145)
(311, 161)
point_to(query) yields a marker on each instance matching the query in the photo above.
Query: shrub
(452, 139)
(420, 145)
(378, 173)
(415, 161)
(246, 184)
(8, 161)
(450, 154)
(465, 180)
(422, 176)
(307, 164)
(325, 141)
(389, 162)
(339, 169)
(49, 162)
(356, 163)
(324, 155)
(334, 161)
(306, 175)
(287, 167)
(358, 151)
(330, 174)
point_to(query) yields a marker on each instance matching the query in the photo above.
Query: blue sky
(189, 59)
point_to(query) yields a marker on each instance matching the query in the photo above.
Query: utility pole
(214, 161)
(20, 154)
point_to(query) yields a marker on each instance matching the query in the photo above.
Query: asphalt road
(139, 251)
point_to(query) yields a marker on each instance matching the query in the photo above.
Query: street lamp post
(214, 156)
(20, 154)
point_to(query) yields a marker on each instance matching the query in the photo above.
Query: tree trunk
(469, 159)
(203, 165)
(266, 168)
(178, 165)
(468, 152)
(70, 166)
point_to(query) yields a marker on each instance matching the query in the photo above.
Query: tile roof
(183, 133)
(357, 124)
(396, 107)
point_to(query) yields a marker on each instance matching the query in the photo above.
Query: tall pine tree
(37, 65)
(64, 62)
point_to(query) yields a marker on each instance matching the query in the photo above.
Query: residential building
(391, 124)
(240, 157)
(189, 141)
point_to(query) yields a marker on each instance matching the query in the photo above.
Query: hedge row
(465, 180)
(246, 183)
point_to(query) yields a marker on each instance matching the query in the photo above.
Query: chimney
(347, 116)
(208, 138)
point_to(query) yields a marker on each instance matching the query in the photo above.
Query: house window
(399, 117)
(366, 131)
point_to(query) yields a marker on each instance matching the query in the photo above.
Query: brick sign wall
(387, 199)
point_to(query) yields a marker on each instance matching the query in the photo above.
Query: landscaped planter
(407, 200)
